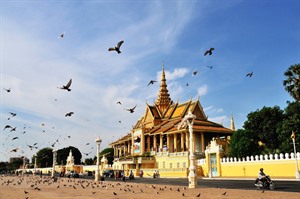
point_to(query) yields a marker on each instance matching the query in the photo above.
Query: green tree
(291, 122)
(44, 157)
(89, 161)
(292, 81)
(264, 123)
(109, 153)
(244, 143)
(62, 155)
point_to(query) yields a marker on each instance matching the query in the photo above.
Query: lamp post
(293, 136)
(189, 120)
(97, 174)
(24, 165)
(54, 161)
(35, 158)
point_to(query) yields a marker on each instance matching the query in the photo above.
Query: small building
(156, 143)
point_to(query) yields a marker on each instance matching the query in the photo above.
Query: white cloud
(202, 90)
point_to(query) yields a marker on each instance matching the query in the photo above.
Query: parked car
(88, 173)
(108, 173)
(73, 174)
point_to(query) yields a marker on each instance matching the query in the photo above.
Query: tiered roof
(164, 116)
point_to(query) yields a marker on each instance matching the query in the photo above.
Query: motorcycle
(266, 183)
(156, 175)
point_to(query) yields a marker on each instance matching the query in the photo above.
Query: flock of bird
(67, 87)
(31, 184)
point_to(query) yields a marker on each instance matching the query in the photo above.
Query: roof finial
(232, 127)
(163, 100)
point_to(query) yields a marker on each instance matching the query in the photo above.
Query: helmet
(261, 169)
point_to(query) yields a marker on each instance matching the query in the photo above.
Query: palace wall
(275, 165)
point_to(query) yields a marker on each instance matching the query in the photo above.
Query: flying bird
(209, 52)
(119, 103)
(151, 82)
(195, 73)
(67, 87)
(131, 110)
(87, 153)
(15, 138)
(7, 90)
(61, 36)
(7, 126)
(12, 115)
(209, 67)
(13, 129)
(187, 84)
(14, 150)
(249, 74)
(69, 114)
(117, 48)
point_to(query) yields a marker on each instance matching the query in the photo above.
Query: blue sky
(262, 37)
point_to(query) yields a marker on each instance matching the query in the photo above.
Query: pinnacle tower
(163, 101)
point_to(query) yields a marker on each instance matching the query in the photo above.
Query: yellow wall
(276, 169)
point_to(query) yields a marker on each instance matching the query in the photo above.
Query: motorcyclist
(262, 176)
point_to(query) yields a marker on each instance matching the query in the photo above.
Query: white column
(97, 174)
(53, 165)
(189, 120)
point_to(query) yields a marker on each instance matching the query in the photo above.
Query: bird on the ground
(7, 126)
(26, 192)
(115, 193)
(15, 138)
(67, 87)
(198, 195)
(182, 194)
(69, 114)
(209, 52)
(209, 67)
(117, 48)
(224, 193)
(195, 73)
(263, 191)
(7, 90)
(131, 110)
(151, 82)
(93, 192)
(249, 74)
(119, 103)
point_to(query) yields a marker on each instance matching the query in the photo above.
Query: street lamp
(293, 136)
(97, 174)
(54, 161)
(35, 158)
(189, 120)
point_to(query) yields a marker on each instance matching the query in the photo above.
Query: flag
(293, 135)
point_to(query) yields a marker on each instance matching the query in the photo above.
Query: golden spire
(163, 101)
(232, 127)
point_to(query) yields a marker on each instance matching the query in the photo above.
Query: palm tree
(292, 83)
